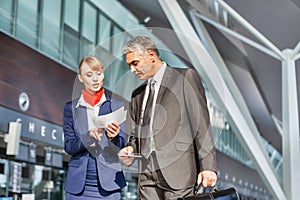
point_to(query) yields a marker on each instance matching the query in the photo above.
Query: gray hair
(141, 44)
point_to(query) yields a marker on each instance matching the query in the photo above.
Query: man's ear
(151, 54)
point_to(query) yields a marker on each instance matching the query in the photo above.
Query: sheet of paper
(118, 116)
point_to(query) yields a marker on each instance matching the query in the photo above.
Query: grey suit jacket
(181, 128)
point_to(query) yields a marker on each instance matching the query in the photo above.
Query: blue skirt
(93, 189)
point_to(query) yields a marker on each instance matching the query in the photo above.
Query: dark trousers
(153, 186)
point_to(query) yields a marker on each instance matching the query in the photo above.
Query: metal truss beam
(250, 28)
(290, 111)
(209, 71)
(289, 128)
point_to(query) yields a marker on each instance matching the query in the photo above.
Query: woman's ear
(80, 78)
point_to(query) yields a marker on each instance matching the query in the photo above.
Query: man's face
(141, 65)
(92, 79)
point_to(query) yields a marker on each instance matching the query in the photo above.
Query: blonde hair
(92, 61)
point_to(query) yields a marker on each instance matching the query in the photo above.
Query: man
(176, 142)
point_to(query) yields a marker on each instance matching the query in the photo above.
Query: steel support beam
(289, 128)
(290, 124)
(240, 37)
(250, 28)
(202, 61)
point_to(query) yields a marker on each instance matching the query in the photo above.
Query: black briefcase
(226, 194)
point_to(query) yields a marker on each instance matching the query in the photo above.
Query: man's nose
(132, 69)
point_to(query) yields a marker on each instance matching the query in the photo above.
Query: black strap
(210, 189)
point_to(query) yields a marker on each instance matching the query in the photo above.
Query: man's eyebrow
(132, 62)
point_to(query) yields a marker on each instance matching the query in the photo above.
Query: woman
(94, 170)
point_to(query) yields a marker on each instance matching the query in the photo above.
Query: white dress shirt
(158, 79)
(92, 111)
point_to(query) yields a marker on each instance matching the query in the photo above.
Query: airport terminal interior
(246, 53)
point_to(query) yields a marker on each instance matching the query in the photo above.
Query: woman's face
(92, 79)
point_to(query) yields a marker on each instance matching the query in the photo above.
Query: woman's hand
(96, 133)
(112, 129)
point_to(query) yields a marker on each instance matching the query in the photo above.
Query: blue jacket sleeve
(72, 142)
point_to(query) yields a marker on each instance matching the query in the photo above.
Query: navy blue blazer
(77, 144)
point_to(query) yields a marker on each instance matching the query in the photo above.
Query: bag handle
(201, 189)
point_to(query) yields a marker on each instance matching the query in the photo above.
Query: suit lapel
(80, 119)
(139, 102)
(105, 108)
(165, 83)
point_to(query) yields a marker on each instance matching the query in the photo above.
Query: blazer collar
(165, 83)
(140, 91)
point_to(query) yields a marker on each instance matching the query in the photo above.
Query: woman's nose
(95, 77)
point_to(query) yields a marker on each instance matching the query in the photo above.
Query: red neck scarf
(92, 99)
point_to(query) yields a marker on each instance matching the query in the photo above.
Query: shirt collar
(159, 74)
(82, 102)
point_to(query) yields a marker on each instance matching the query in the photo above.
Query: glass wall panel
(89, 22)
(6, 17)
(89, 27)
(51, 28)
(3, 176)
(71, 33)
(27, 21)
(41, 181)
(104, 32)
(88, 46)
(72, 14)
(71, 47)
(27, 178)
(48, 182)
(117, 41)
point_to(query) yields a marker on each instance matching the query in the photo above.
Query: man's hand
(126, 159)
(207, 178)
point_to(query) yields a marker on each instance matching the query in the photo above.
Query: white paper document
(118, 116)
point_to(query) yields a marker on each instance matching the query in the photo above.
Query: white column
(290, 124)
